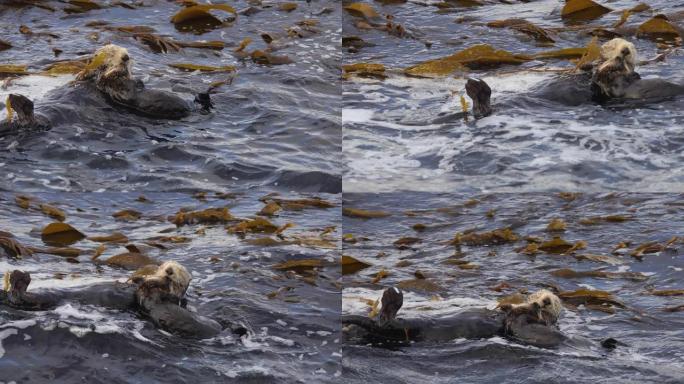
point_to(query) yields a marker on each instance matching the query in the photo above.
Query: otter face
(616, 71)
(110, 68)
(169, 282)
(547, 305)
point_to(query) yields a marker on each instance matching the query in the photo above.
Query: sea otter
(110, 71)
(105, 79)
(159, 297)
(615, 77)
(533, 323)
(611, 79)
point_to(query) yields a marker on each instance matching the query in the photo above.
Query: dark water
(392, 142)
(652, 337)
(275, 125)
(295, 335)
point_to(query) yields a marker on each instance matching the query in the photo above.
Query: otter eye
(169, 271)
(547, 301)
(625, 51)
(124, 57)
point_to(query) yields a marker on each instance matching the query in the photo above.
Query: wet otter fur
(533, 323)
(110, 72)
(25, 118)
(159, 297)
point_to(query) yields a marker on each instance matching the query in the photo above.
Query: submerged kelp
(276, 101)
(404, 131)
(286, 294)
(463, 252)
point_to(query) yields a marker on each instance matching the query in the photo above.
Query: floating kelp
(559, 246)
(421, 285)
(556, 225)
(23, 201)
(287, 7)
(5, 45)
(158, 44)
(604, 219)
(270, 209)
(585, 296)
(299, 265)
(648, 248)
(565, 53)
(67, 252)
(667, 292)
(406, 242)
(53, 212)
(10, 70)
(257, 225)
(207, 216)
(659, 28)
(12, 247)
(352, 265)
(370, 70)
(364, 214)
(214, 44)
(524, 26)
(80, 6)
(267, 58)
(381, 274)
(495, 237)
(593, 53)
(130, 260)
(197, 18)
(202, 68)
(300, 204)
(60, 235)
(475, 57)
(568, 273)
(362, 10)
(600, 259)
(116, 237)
(582, 10)
(515, 298)
(127, 215)
(69, 67)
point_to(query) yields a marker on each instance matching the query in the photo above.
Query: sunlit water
(391, 141)
(294, 334)
(652, 337)
(274, 125)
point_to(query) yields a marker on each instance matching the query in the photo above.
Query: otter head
(392, 300)
(547, 306)
(168, 283)
(110, 68)
(616, 69)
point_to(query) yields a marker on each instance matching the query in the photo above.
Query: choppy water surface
(293, 315)
(652, 336)
(274, 125)
(392, 142)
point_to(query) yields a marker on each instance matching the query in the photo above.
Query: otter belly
(175, 319)
(469, 324)
(652, 90)
(156, 103)
(536, 334)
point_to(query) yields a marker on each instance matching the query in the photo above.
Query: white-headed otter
(612, 78)
(160, 297)
(615, 76)
(110, 71)
(533, 322)
(105, 80)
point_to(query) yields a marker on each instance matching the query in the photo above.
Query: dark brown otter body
(166, 311)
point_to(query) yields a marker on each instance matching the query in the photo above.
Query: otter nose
(625, 51)
(124, 58)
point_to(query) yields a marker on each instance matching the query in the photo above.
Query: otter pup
(110, 71)
(160, 297)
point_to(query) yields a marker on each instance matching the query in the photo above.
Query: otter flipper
(480, 93)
